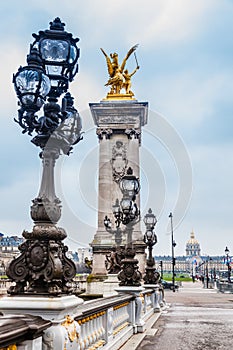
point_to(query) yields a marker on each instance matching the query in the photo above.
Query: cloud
(160, 22)
(169, 22)
(192, 97)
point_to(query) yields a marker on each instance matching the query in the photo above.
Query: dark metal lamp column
(228, 260)
(43, 267)
(152, 276)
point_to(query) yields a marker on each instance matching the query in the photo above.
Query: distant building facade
(10, 244)
(192, 263)
(8, 250)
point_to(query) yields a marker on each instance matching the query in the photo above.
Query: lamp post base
(42, 267)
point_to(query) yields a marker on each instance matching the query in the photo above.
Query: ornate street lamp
(227, 251)
(150, 238)
(43, 267)
(129, 214)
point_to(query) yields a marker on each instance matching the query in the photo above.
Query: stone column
(119, 125)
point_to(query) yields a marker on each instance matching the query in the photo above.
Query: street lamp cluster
(52, 64)
(43, 267)
(127, 213)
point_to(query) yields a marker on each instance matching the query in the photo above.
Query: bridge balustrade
(105, 323)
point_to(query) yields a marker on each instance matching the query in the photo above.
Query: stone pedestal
(110, 284)
(156, 301)
(119, 125)
(139, 322)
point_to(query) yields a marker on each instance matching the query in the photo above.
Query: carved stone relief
(119, 160)
(133, 133)
(104, 132)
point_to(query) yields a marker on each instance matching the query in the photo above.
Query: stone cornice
(126, 114)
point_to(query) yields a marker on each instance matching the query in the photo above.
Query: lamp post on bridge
(228, 261)
(43, 267)
(150, 238)
(173, 256)
(127, 213)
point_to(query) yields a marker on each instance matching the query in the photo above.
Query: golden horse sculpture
(119, 77)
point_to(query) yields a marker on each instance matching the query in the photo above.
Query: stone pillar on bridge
(119, 125)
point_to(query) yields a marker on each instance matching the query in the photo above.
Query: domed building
(193, 246)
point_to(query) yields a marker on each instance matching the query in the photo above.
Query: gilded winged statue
(118, 77)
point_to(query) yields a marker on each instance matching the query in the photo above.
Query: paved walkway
(196, 319)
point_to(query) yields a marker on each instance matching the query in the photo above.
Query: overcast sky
(185, 55)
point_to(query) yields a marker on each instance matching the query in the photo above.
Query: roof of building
(192, 239)
(10, 241)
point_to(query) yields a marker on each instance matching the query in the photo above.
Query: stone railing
(110, 322)
(106, 322)
(22, 332)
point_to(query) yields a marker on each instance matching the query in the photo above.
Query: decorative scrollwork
(43, 267)
(18, 270)
(54, 268)
(69, 268)
(129, 275)
(152, 276)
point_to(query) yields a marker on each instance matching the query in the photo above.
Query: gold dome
(192, 239)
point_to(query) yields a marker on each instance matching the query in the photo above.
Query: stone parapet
(23, 330)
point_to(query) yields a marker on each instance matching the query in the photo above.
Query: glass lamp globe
(149, 235)
(59, 53)
(31, 83)
(129, 184)
(126, 206)
(150, 219)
